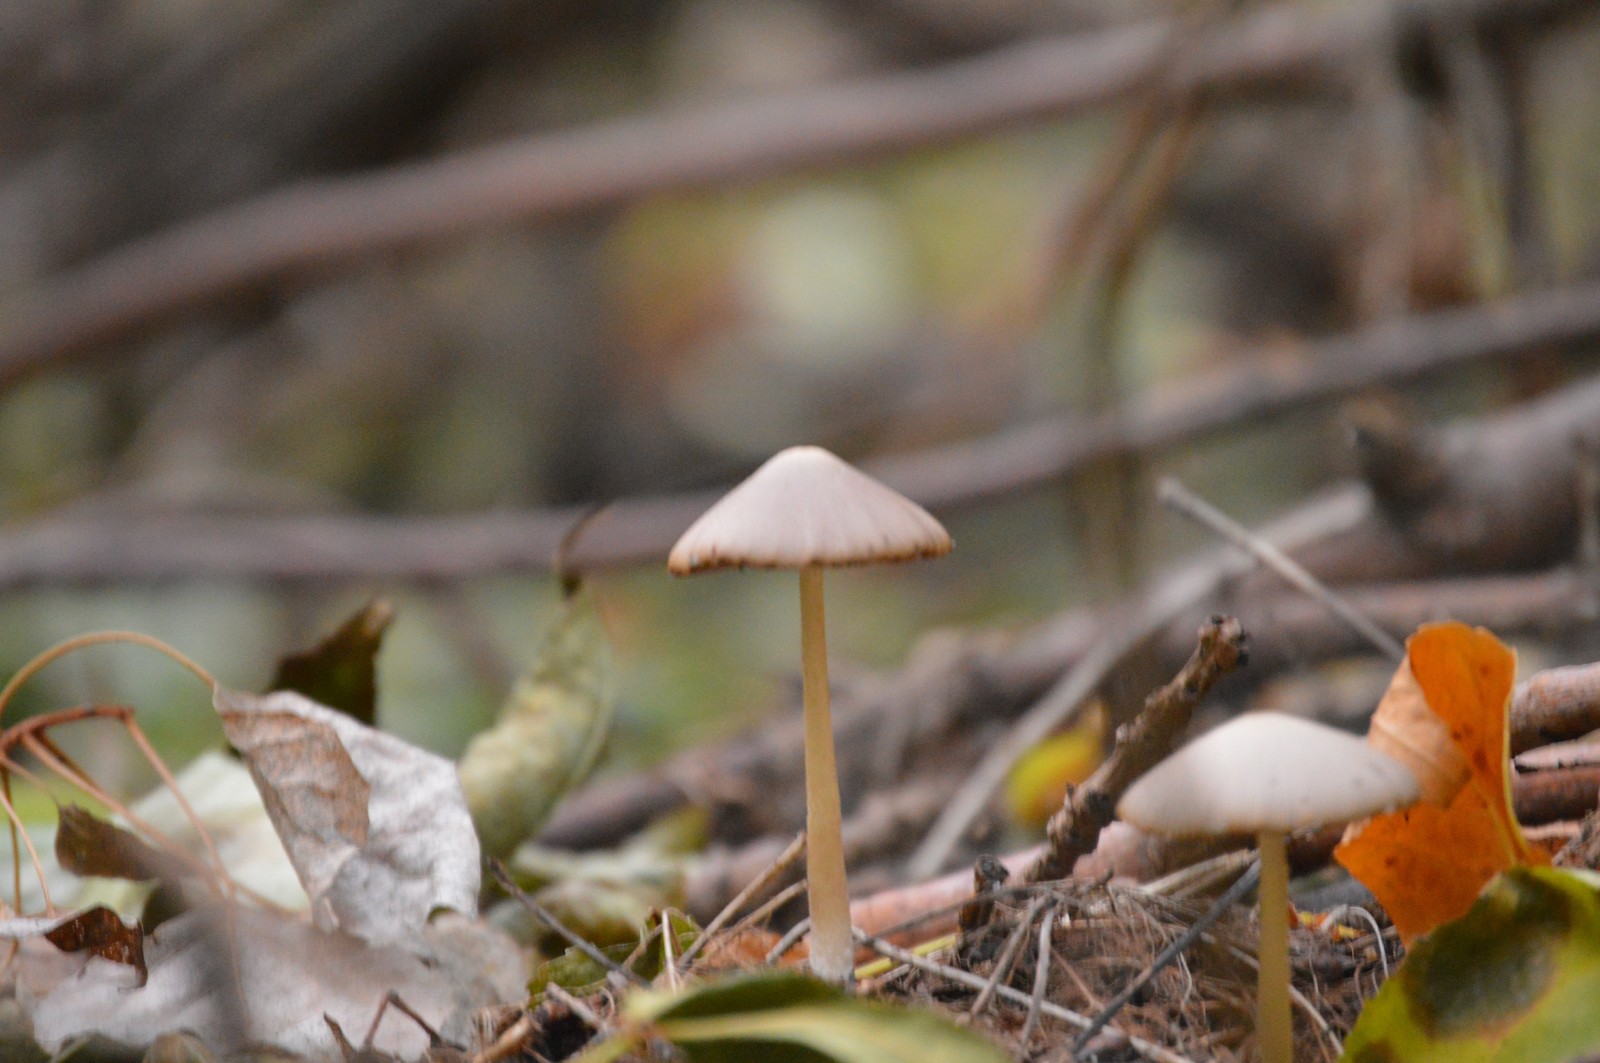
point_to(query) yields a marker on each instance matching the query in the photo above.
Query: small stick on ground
(1041, 978)
(788, 941)
(508, 1044)
(776, 901)
(1180, 499)
(544, 915)
(1008, 955)
(1075, 829)
(785, 860)
(577, 1007)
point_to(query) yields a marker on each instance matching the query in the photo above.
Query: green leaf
(340, 671)
(731, 996)
(1512, 981)
(782, 1016)
(548, 734)
(845, 1031)
(577, 973)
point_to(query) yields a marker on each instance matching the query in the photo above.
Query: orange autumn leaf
(1426, 864)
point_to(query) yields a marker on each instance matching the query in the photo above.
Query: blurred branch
(97, 544)
(985, 683)
(310, 226)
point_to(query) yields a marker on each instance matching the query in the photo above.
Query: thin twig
(1345, 910)
(1008, 955)
(972, 981)
(544, 915)
(1041, 977)
(577, 1007)
(787, 942)
(776, 901)
(1229, 898)
(779, 866)
(1180, 499)
(509, 1043)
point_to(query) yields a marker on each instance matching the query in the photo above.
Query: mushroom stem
(1274, 1035)
(832, 951)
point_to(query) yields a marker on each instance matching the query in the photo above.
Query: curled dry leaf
(340, 671)
(548, 735)
(88, 845)
(96, 931)
(377, 829)
(1427, 863)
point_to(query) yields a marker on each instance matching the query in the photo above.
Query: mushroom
(806, 509)
(1268, 774)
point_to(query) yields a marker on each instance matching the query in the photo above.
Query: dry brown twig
(1141, 744)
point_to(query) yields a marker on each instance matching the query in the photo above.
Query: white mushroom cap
(1265, 771)
(807, 507)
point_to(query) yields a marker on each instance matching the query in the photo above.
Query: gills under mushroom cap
(807, 507)
(1265, 771)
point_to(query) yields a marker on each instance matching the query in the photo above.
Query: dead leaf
(97, 931)
(1427, 864)
(377, 829)
(88, 845)
(289, 974)
(340, 671)
(1404, 727)
(548, 734)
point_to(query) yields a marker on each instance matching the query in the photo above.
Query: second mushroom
(1267, 774)
(806, 509)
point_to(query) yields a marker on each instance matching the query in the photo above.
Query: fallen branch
(98, 544)
(312, 225)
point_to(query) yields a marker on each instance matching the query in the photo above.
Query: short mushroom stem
(832, 951)
(1274, 1034)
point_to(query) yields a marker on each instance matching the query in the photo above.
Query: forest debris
(96, 931)
(1074, 830)
(88, 845)
(1428, 863)
(1103, 937)
(289, 974)
(378, 829)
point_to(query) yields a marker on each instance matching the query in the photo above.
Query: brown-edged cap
(807, 507)
(1265, 771)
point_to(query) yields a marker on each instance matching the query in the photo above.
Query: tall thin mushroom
(1268, 774)
(806, 509)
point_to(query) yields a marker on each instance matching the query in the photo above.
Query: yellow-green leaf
(548, 734)
(1512, 981)
(784, 1017)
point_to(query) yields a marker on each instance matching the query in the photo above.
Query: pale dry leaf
(378, 830)
(1404, 727)
(289, 974)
